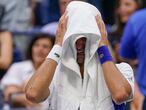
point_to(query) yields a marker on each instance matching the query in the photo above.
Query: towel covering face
(68, 90)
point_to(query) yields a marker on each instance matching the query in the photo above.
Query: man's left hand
(102, 28)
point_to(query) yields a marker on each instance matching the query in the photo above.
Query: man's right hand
(62, 26)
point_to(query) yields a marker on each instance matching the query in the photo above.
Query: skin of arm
(117, 84)
(6, 47)
(37, 87)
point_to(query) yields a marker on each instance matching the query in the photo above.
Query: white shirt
(63, 98)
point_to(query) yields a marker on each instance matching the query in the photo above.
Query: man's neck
(82, 70)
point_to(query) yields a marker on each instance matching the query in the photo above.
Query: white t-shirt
(124, 68)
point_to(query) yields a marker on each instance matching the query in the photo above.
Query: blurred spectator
(144, 4)
(108, 11)
(16, 14)
(17, 54)
(6, 45)
(133, 47)
(15, 79)
(2, 9)
(46, 11)
(96, 3)
(124, 9)
(9, 52)
(63, 4)
(52, 27)
(138, 99)
(1, 99)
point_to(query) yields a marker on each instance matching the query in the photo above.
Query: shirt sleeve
(127, 72)
(127, 49)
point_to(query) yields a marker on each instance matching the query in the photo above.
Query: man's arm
(37, 88)
(117, 84)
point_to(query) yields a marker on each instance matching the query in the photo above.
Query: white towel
(81, 22)
(71, 91)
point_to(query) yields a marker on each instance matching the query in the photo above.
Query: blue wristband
(104, 54)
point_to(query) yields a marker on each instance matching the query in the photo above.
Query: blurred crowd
(27, 33)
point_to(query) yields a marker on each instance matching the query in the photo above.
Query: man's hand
(101, 25)
(62, 26)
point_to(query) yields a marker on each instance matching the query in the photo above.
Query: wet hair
(34, 40)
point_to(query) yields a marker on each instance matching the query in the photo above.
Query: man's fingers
(101, 26)
(104, 32)
(99, 23)
(97, 20)
(63, 16)
(63, 21)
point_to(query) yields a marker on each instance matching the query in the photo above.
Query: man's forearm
(118, 85)
(37, 88)
(116, 82)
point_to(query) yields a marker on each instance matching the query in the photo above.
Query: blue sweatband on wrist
(104, 54)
